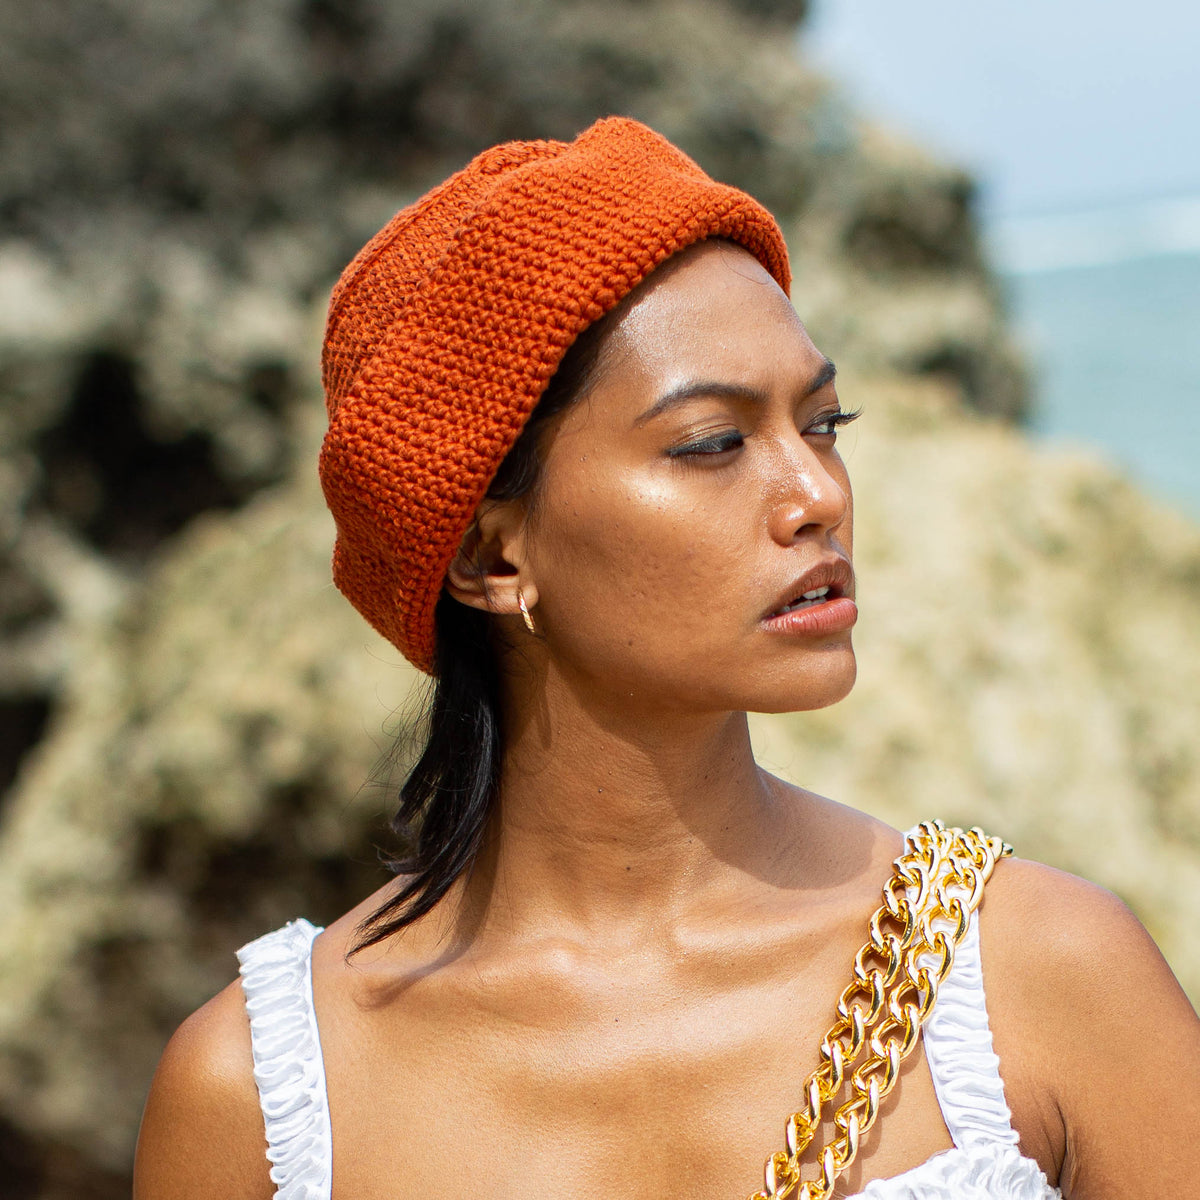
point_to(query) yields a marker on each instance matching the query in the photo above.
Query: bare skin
(624, 995)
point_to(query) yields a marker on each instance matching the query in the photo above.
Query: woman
(616, 947)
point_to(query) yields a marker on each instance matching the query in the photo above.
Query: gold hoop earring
(525, 612)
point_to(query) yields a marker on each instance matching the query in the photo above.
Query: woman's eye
(717, 443)
(829, 423)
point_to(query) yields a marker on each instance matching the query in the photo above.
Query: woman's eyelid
(709, 426)
(835, 417)
(708, 442)
(721, 432)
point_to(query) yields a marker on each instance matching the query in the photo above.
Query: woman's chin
(803, 689)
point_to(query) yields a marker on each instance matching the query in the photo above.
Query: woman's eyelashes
(829, 423)
(711, 445)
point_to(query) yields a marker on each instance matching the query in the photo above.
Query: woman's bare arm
(202, 1133)
(1099, 1046)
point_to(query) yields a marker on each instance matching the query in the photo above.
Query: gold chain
(927, 906)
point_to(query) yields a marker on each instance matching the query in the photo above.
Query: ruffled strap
(276, 974)
(958, 1045)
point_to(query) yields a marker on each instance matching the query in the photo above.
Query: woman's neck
(610, 820)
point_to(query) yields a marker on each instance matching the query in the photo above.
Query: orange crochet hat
(445, 329)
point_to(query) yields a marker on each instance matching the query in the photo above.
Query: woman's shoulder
(1089, 1023)
(202, 1131)
(1049, 936)
(1054, 946)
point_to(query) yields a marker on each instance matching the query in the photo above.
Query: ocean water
(1109, 313)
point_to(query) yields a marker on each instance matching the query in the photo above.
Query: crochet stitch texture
(446, 327)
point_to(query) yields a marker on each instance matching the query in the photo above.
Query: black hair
(448, 796)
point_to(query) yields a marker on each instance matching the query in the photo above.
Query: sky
(1058, 105)
(1081, 121)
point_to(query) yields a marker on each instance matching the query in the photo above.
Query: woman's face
(691, 498)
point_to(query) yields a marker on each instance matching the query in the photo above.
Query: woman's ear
(486, 572)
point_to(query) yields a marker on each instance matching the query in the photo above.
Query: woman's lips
(818, 603)
(834, 614)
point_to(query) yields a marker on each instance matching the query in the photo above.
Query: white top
(985, 1163)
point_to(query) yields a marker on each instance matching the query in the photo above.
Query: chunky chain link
(927, 906)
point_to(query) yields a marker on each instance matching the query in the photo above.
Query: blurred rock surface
(204, 779)
(1029, 656)
(189, 711)
(175, 194)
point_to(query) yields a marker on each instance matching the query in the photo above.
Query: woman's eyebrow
(728, 391)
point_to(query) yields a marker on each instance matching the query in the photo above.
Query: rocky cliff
(192, 717)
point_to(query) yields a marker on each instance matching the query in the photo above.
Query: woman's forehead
(713, 308)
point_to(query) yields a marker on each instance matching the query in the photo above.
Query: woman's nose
(812, 493)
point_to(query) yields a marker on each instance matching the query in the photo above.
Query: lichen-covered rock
(175, 195)
(206, 777)
(178, 189)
